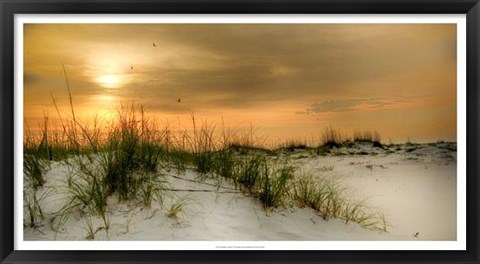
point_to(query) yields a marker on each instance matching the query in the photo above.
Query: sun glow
(109, 81)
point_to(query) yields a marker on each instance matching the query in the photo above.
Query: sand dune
(413, 185)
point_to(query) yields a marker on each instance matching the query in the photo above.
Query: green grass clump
(324, 196)
(125, 165)
(203, 147)
(250, 170)
(226, 164)
(275, 186)
(132, 151)
(205, 162)
(178, 159)
(34, 169)
(329, 199)
(36, 158)
(87, 194)
(177, 208)
(151, 187)
(306, 193)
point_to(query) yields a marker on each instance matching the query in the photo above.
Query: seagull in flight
(179, 99)
(155, 45)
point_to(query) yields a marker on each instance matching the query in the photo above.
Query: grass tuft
(34, 169)
(250, 171)
(275, 186)
(368, 136)
(329, 199)
(332, 138)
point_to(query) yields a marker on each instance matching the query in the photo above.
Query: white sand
(415, 189)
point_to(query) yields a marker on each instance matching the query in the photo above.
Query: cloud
(244, 65)
(345, 105)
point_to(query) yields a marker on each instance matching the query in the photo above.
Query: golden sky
(287, 80)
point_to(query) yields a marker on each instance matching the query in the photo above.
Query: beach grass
(125, 159)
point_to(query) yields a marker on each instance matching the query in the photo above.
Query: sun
(109, 81)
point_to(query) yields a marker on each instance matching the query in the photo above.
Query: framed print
(202, 131)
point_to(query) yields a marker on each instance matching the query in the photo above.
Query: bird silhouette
(179, 99)
(131, 67)
(155, 45)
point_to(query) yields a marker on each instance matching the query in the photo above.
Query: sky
(289, 81)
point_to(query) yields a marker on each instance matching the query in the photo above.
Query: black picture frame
(8, 8)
